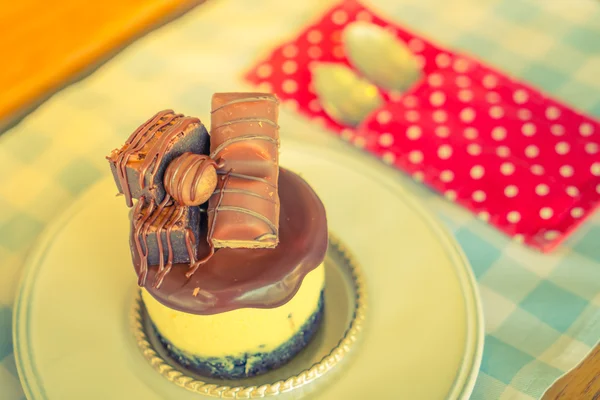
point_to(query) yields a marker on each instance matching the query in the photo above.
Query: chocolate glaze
(256, 278)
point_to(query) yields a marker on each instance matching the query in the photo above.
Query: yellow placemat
(52, 43)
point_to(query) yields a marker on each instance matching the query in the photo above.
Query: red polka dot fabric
(520, 160)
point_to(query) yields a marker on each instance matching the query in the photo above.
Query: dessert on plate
(228, 247)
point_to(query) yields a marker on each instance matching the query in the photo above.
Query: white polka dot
(320, 122)
(490, 81)
(360, 142)
(442, 131)
(591, 148)
(435, 80)
(557, 130)
(386, 139)
(499, 133)
(289, 86)
(410, 101)
(492, 97)
(311, 87)
(542, 189)
(314, 36)
(291, 104)
(513, 217)
(507, 168)
(576, 212)
(496, 112)
(418, 176)
(395, 95)
(552, 113)
(528, 129)
(338, 52)
(442, 60)
(483, 215)
(551, 235)
(467, 115)
(416, 45)
(479, 196)
(595, 169)
(460, 65)
(572, 191)
(465, 95)
(415, 156)
(546, 213)
(290, 51)
(314, 105)
(532, 151)
(444, 152)
(537, 169)
(440, 116)
(437, 98)
(471, 133)
(562, 148)
(289, 67)
(474, 149)
(412, 116)
(384, 117)
(446, 176)
(520, 96)
(413, 132)
(364, 16)
(264, 71)
(339, 17)
(503, 151)
(519, 238)
(450, 195)
(586, 129)
(524, 114)
(477, 172)
(314, 52)
(463, 81)
(346, 134)
(511, 191)
(388, 157)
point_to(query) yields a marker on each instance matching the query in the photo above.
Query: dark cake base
(250, 364)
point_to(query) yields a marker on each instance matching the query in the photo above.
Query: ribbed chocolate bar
(245, 144)
(139, 165)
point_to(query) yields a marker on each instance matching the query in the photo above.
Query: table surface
(542, 311)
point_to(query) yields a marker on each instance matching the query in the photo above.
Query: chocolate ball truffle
(191, 179)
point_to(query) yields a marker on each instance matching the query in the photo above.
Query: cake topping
(191, 179)
(138, 166)
(259, 278)
(245, 142)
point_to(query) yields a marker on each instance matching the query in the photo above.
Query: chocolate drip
(268, 97)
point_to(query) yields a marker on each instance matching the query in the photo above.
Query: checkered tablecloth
(542, 312)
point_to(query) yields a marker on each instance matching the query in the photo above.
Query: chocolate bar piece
(243, 212)
(178, 228)
(138, 167)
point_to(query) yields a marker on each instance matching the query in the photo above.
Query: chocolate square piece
(138, 167)
(178, 228)
(244, 210)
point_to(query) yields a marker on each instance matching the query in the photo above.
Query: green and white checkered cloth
(542, 312)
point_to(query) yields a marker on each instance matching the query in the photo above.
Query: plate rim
(467, 373)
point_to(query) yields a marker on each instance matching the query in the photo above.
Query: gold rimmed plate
(424, 330)
(330, 349)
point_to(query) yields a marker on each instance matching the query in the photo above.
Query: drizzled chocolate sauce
(236, 278)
